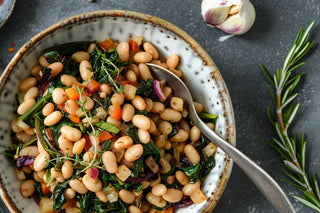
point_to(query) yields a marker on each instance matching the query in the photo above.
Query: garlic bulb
(232, 16)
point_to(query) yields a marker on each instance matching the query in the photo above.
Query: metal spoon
(267, 185)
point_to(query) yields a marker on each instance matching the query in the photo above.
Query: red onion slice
(158, 90)
(94, 172)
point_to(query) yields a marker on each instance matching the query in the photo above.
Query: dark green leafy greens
(58, 197)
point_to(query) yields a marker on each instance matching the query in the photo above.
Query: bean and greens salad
(95, 132)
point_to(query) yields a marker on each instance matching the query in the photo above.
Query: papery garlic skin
(232, 16)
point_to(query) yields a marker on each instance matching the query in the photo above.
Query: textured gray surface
(238, 59)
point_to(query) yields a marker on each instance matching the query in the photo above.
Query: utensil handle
(268, 186)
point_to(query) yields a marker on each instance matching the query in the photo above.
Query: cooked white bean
(182, 178)
(59, 96)
(159, 190)
(78, 146)
(165, 127)
(117, 98)
(25, 106)
(69, 193)
(35, 70)
(189, 188)
(131, 76)
(71, 133)
(85, 68)
(144, 71)
(43, 61)
(53, 118)
(31, 93)
(156, 200)
(171, 114)
(127, 112)
(141, 122)
(48, 109)
(126, 196)
(71, 107)
(66, 146)
(27, 83)
(198, 107)
(69, 80)
(173, 61)
(102, 196)
(78, 186)
(27, 188)
(29, 150)
(67, 169)
(88, 104)
(192, 154)
(149, 104)
(106, 88)
(123, 142)
(129, 91)
(14, 127)
(40, 161)
(133, 153)
(144, 136)
(166, 166)
(109, 161)
(93, 185)
(139, 103)
(114, 121)
(134, 209)
(142, 57)
(173, 195)
(148, 47)
(80, 56)
(198, 197)
(195, 134)
(181, 136)
(56, 68)
(123, 51)
(91, 47)
(158, 107)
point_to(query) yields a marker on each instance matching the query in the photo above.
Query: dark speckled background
(238, 59)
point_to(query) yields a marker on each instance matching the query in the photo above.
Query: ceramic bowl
(6, 8)
(200, 74)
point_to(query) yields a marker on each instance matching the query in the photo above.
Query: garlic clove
(232, 16)
(216, 16)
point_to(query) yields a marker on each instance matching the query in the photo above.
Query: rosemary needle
(282, 91)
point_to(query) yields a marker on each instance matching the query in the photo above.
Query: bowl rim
(216, 75)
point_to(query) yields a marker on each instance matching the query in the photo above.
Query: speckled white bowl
(200, 74)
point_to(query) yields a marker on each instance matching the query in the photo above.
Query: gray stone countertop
(238, 59)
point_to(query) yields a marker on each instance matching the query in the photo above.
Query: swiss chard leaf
(192, 172)
(207, 117)
(58, 197)
(132, 132)
(27, 117)
(9, 154)
(67, 49)
(206, 167)
(105, 65)
(151, 149)
(87, 203)
(146, 90)
(53, 56)
(107, 126)
(174, 130)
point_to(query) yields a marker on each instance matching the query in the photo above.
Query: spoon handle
(268, 186)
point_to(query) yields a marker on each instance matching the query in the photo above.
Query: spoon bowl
(267, 185)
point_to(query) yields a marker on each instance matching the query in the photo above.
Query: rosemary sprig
(283, 83)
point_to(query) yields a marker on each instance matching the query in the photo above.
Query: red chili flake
(64, 57)
(1, 1)
(11, 49)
